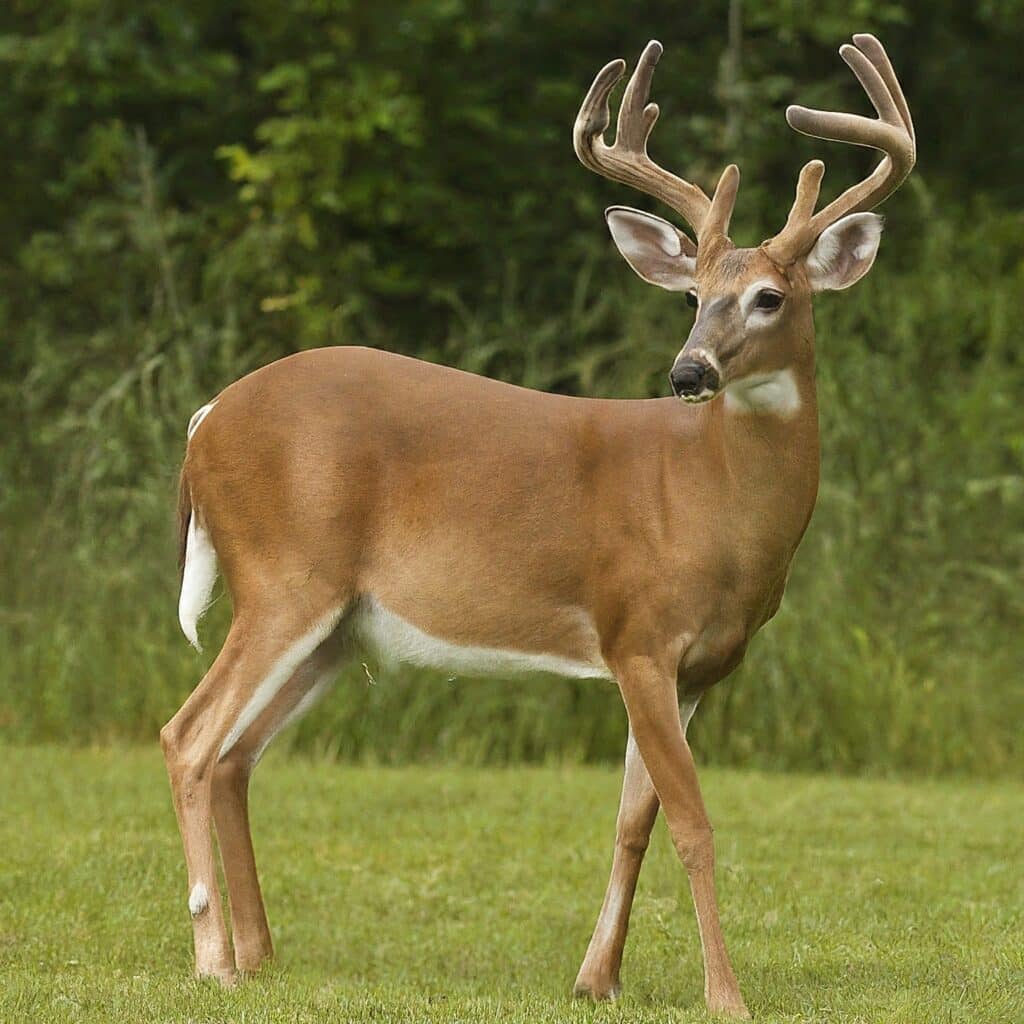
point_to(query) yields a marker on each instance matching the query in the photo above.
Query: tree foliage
(331, 168)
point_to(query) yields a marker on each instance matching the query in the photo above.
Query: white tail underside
(197, 580)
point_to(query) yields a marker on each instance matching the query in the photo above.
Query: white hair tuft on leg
(198, 899)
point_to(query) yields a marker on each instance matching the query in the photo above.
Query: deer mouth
(704, 395)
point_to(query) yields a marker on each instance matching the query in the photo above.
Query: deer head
(754, 323)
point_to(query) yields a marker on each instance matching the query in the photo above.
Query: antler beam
(892, 133)
(626, 160)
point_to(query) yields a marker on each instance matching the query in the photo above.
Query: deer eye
(767, 299)
(691, 300)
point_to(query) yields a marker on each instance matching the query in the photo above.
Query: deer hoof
(226, 977)
(731, 1007)
(600, 991)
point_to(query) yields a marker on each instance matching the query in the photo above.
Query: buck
(356, 500)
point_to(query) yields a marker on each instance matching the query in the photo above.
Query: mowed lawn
(433, 894)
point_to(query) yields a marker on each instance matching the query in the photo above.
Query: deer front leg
(599, 975)
(649, 693)
(638, 808)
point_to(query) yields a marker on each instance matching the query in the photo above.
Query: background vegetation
(194, 189)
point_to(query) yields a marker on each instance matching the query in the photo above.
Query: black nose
(692, 377)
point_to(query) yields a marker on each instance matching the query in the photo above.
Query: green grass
(437, 894)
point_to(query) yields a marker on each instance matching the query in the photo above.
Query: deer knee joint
(634, 843)
(696, 849)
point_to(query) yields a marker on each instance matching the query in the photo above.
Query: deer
(356, 501)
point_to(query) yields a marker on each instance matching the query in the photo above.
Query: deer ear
(844, 252)
(658, 251)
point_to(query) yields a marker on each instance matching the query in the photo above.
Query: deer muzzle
(694, 380)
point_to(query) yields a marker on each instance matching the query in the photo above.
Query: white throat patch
(774, 394)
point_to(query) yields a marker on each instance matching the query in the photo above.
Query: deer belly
(394, 639)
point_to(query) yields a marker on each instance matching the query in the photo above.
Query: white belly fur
(393, 639)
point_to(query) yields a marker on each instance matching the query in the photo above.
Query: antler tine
(785, 246)
(594, 115)
(808, 186)
(636, 116)
(716, 224)
(892, 133)
(626, 160)
(875, 52)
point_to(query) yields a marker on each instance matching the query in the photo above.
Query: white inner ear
(655, 249)
(655, 230)
(844, 252)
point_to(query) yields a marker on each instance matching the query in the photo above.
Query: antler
(892, 133)
(626, 160)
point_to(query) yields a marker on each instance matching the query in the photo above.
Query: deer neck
(763, 444)
(770, 443)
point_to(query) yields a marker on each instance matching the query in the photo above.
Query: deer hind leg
(250, 931)
(259, 655)
(650, 697)
(598, 977)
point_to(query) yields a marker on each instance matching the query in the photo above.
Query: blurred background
(192, 190)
